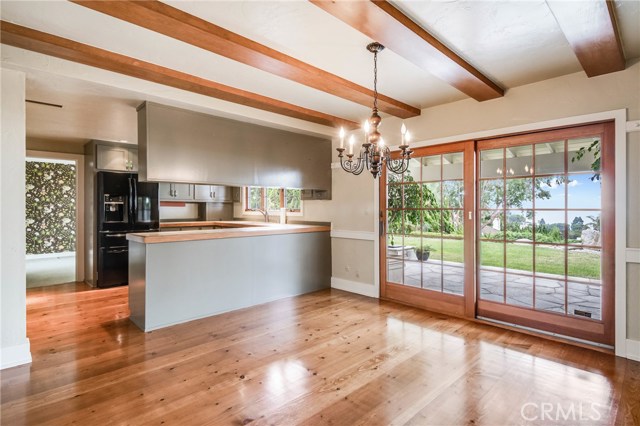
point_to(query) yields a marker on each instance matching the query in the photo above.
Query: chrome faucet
(264, 212)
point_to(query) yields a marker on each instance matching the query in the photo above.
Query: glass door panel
(427, 261)
(541, 228)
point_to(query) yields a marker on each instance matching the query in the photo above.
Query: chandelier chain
(375, 81)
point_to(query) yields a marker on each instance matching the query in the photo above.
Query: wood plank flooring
(328, 357)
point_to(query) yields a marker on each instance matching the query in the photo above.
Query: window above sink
(272, 199)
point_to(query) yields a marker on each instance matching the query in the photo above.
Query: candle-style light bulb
(381, 146)
(403, 129)
(341, 137)
(352, 141)
(366, 127)
(407, 138)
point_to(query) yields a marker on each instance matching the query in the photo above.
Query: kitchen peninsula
(179, 276)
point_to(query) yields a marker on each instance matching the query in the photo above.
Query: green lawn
(519, 256)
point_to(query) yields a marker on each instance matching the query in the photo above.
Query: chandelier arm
(347, 165)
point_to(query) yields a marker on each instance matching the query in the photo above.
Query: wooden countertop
(237, 229)
(219, 223)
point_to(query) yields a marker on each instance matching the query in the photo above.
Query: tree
(421, 204)
(577, 225)
(518, 191)
(542, 226)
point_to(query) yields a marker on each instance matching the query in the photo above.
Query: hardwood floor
(324, 358)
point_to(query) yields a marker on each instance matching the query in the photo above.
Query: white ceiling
(512, 42)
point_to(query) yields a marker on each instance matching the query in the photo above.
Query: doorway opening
(52, 234)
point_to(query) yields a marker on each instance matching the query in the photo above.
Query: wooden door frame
(602, 331)
(456, 305)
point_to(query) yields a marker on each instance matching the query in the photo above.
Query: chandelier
(374, 154)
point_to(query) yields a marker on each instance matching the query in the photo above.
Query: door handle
(130, 201)
(116, 251)
(135, 198)
(115, 235)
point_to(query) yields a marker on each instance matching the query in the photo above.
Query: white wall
(566, 96)
(14, 342)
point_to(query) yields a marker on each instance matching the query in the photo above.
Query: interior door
(546, 232)
(427, 231)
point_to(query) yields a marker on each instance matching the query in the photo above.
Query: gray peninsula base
(175, 282)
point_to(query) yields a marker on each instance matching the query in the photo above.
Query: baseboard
(50, 255)
(354, 287)
(633, 349)
(13, 356)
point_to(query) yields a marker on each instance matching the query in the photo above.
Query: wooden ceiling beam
(48, 44)
(382, 22)
(592, 31)
(175, 23)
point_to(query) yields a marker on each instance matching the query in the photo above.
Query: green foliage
(292, 198)
(550, 236)
(595, 166)
(518, 192)
(416, 198)
(273, 199)
(595, 223)
(555, 234)
(254, 198)
(577, 225)
(520, 234)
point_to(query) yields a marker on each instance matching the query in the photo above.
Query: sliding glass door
(546, 232)
(517, 229)
(427, 215)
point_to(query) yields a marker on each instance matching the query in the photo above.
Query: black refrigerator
(124, 205)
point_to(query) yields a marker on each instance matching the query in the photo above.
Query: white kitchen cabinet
(117, 158)
(176, 192)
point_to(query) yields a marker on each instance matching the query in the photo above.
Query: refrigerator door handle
(135, 199)
(130, 202)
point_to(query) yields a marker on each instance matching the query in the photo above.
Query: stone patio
(550, 289)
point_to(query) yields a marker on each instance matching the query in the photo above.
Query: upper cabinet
(213, 193)
(111, 156)
(198, 193)
(116, 158)
(176, 191)
(181, 145)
